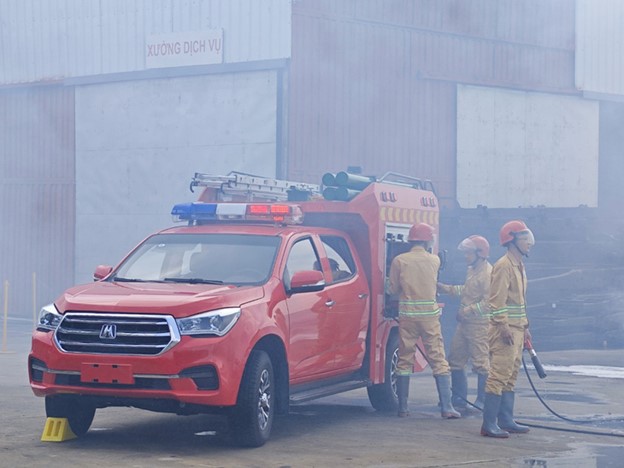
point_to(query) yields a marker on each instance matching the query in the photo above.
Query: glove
(506, 335)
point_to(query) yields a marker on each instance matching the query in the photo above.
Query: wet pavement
(583, 386)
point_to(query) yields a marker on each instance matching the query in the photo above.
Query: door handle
(330, 303)
(362, 296)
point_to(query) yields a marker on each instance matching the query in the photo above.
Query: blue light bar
(244, 212)
(194, 211)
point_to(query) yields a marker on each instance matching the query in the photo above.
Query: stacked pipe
(344, 186)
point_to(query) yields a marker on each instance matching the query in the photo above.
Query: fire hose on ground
(539, 368)
(542, 374)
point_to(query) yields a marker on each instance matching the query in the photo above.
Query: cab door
(348, 293)
(310, 351)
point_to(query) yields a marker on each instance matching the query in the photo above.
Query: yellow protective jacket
(414, 275)
(508, 292)
(474, 293)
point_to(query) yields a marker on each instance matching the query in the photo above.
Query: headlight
(216, 322)
(49, 318)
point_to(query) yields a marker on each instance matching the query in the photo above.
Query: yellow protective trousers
(430, 331)
(470, 342)
(505, 360)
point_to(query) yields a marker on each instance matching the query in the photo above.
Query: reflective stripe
(458, 289)
(415, 308)
(419, 313)
(416, 302)
(516, 311)
(498, 311)
(480, 310)
(519, 311)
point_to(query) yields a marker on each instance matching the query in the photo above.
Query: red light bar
(280, 209)
(289, 214)
(258, 209)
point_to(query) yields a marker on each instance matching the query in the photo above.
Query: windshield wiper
(121, 279)
(194, 280)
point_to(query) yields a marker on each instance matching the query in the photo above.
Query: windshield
(201, 258)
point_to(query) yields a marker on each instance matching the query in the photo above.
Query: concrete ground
(338, 431)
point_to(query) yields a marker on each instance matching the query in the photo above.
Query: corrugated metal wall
(36, 194)
(373, 83)
(48, 41)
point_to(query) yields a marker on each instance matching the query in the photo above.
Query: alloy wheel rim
(264, 400)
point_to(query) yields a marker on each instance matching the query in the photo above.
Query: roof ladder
(250, 186)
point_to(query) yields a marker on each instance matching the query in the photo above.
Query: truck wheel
(253, 416)
(78, 413)
(383, 396)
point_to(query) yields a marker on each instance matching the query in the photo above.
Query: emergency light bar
(258, 212)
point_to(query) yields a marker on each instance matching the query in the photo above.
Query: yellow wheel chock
(57, 430)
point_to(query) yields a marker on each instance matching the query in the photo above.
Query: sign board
(184, 49)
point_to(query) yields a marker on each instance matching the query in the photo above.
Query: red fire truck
(270, 294)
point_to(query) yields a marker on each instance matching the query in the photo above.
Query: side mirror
(442, 257)
(306, 281)
(101, 272)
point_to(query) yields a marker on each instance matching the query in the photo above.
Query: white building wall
(49, 40)
(599, 65)
(138, 144)
(520, 149)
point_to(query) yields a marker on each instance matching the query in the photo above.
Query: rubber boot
(403, 392)
(491, 405)
(505, 415)
(481, 379)
(459, 387)
(443, 382)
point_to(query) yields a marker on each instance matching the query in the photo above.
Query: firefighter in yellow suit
(508, 327)
(470, 341)
(413, 276)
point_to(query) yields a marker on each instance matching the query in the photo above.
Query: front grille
(81, 332)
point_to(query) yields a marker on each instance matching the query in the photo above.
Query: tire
(78, 413)
(383, 396)
(253, 415)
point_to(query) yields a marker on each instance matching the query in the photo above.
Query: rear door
(347, 294)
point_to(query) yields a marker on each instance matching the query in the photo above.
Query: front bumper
(197, 371)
